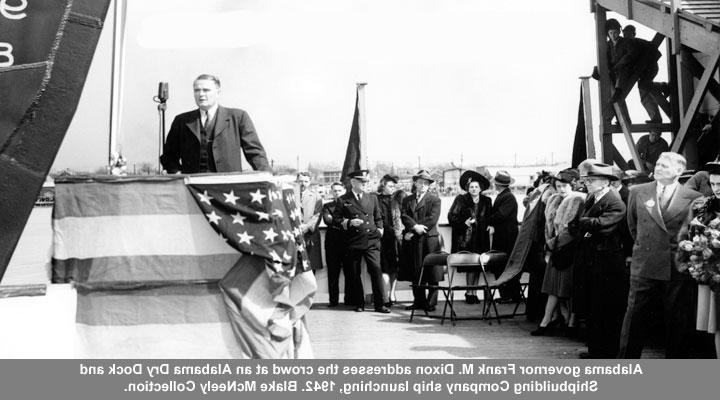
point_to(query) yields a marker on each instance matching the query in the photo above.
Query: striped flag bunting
(154, 278)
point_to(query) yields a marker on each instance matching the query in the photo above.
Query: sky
(488, 82)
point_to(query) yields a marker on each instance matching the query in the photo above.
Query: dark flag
(579, 152)
(353, 154)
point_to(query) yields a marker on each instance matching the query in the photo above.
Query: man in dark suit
(335, 248)
(656, 212)
(503, 227)
(361, 219)
(310, 208)
(212, 138)
(601, 261)
(420, 212)
(646, 68)
(621, 58)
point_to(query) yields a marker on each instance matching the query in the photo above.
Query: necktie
(590, 202)
(204, 119)
(665, 198)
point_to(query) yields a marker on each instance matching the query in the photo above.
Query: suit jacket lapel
(420, 204)
(221, 120)
(651, 204)
(597, 205)
(194, 124)
(412, 202)
(677, 203)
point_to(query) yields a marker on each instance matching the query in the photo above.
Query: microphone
(163, 91)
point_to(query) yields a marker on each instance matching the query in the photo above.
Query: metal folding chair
(470, 262)
(435, 267)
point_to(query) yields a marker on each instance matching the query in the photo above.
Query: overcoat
(426, 212)
(503, 217)
(462, 209)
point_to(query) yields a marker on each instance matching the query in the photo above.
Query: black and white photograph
(359, 179)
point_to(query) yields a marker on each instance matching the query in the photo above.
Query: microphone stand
(162, 106)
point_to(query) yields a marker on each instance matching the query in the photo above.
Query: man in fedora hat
(360, 217)
(656, 213)
(420, 214)
(503, 228)
(601, 260)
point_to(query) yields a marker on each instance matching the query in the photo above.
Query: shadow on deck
(342, 333)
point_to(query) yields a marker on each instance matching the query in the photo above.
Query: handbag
(465, 240)
(564, 256)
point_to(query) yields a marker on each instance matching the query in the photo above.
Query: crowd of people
(606, 257)
(393, 231)
(620, 252)
(612, 257)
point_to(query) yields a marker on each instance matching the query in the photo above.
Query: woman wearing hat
(562, 208)
(392, 235)
(468, 219)
(703, 215)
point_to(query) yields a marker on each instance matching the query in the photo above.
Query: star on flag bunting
(256, 217)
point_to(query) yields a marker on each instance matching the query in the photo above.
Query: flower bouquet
(699, 254)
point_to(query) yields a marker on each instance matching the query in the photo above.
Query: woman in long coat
(468, 219)
(563, 208)
(392, 234)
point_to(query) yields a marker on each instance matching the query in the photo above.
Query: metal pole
(361, 125)
(116, 76)
(161, 132)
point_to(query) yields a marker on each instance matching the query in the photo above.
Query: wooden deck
(344, 333)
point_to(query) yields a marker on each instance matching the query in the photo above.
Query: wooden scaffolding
(691, 32)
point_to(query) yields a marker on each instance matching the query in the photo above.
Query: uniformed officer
(359, 215)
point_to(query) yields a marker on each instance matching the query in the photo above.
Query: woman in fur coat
(468, 219)
(562, 208)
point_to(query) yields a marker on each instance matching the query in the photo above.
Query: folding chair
(473, 262)
(433, 268)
